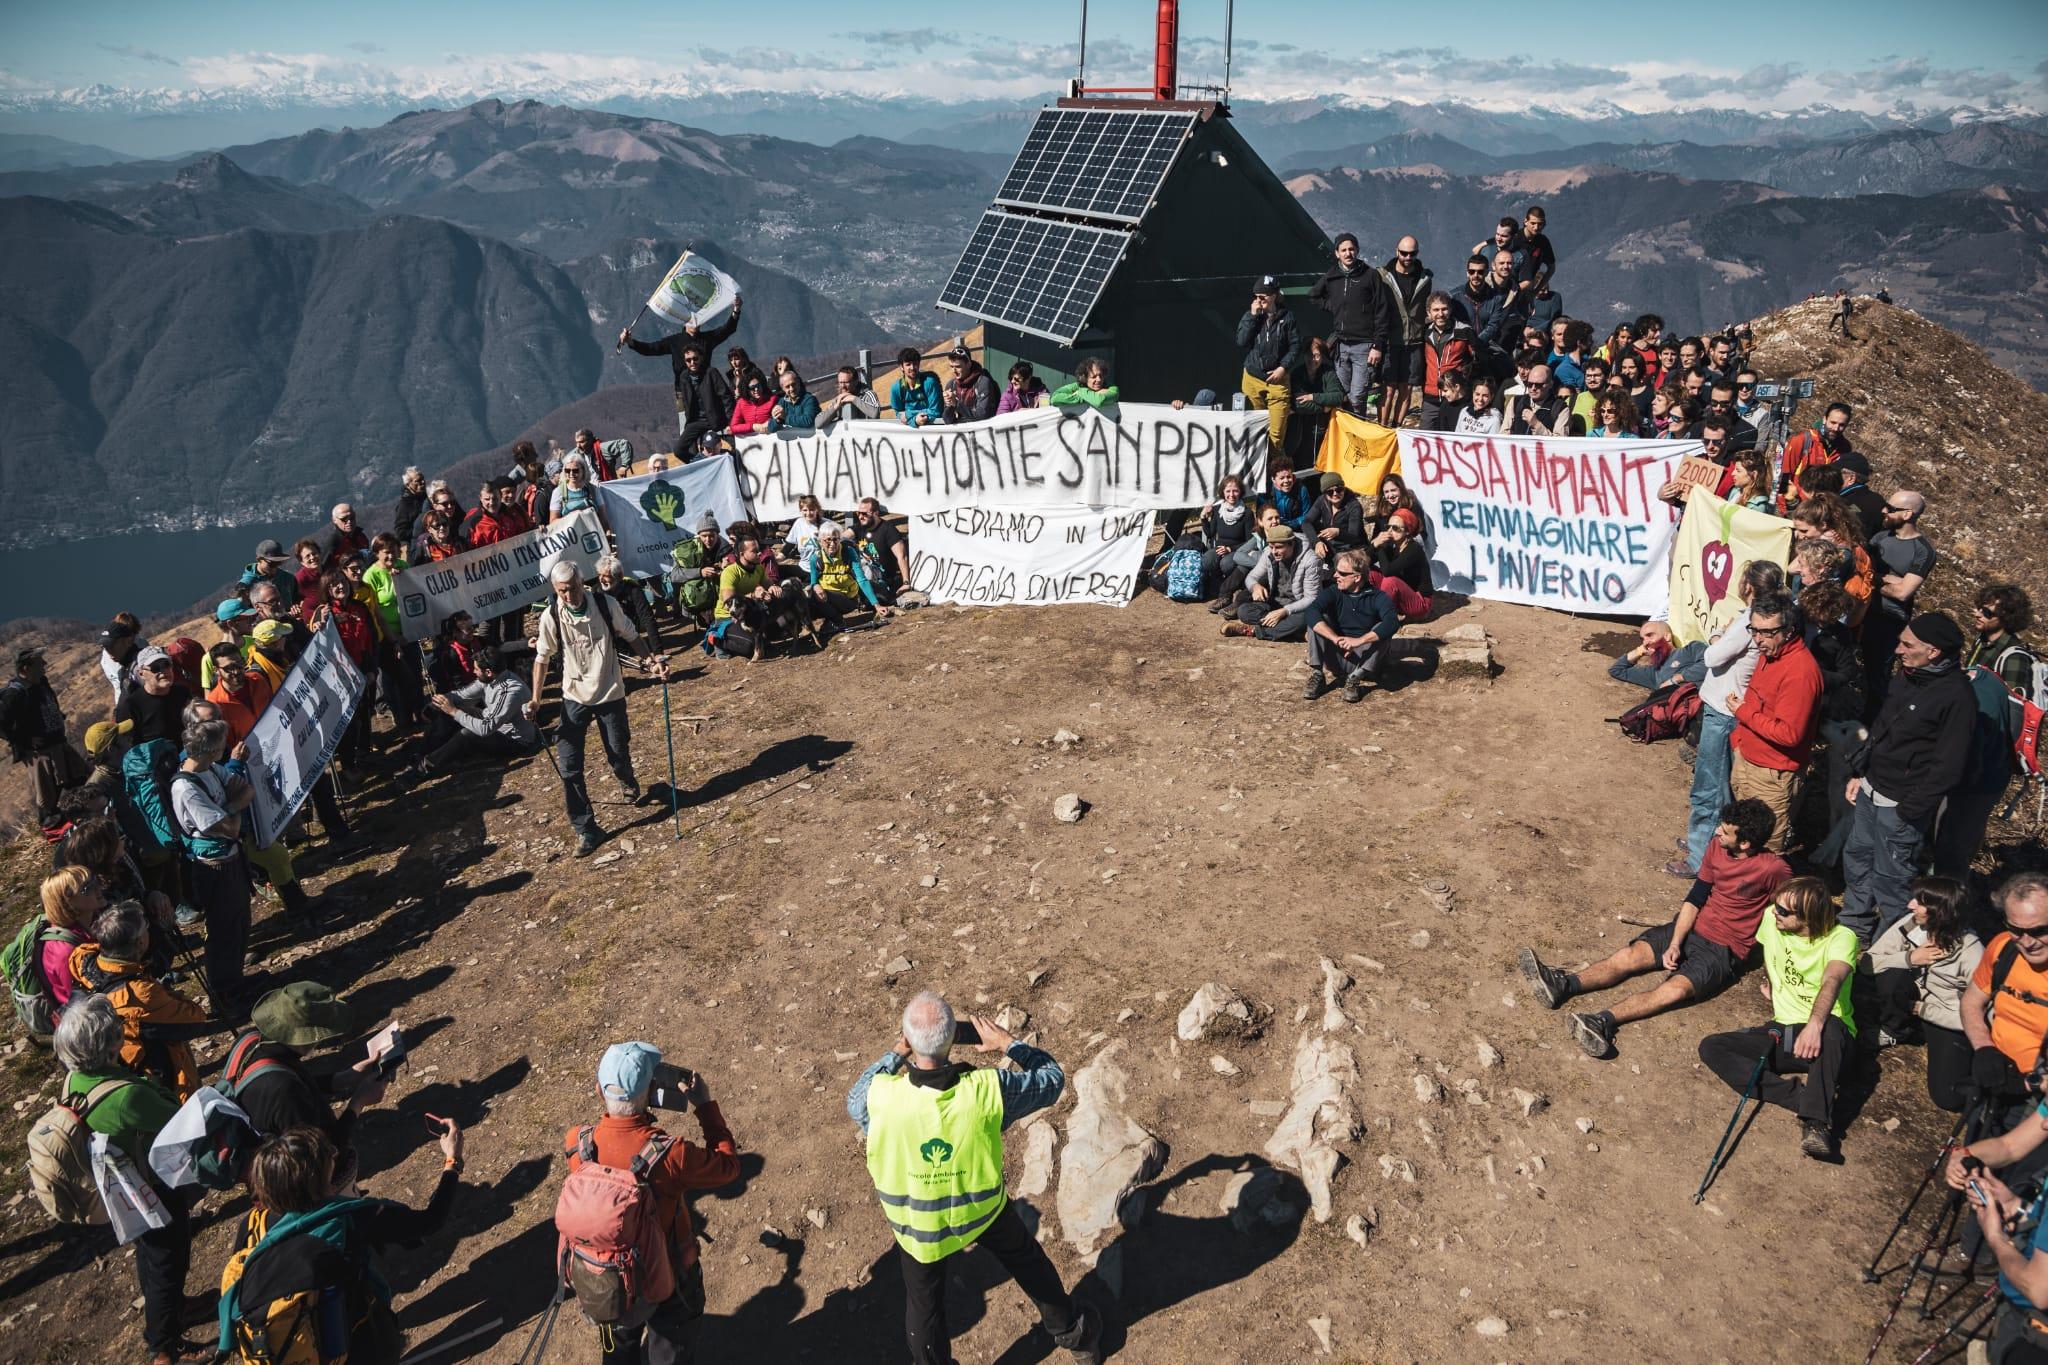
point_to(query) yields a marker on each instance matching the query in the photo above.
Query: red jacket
(748, 416)
(1780, 709)
(1455, 353)
(686, 1167)
(490, 528)
(358, 631)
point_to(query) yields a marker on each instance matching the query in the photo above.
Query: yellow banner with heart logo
(1716, 541)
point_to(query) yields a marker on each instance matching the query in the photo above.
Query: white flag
(694, 293)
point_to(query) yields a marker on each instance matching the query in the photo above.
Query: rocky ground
(1353, 880)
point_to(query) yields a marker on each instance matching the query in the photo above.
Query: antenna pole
(1229, 14)
(1081, 71)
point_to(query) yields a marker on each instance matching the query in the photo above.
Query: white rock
(1397, 1167)
(1532, 1103)
(1065, 738)
(1335, 979)
(1223, 1066)
(1107, 1156)
(898, 965)
(1427, 1091)
(818, 1218)
(1490, 1327)
(1069, 809)
(928, 881)
(1489, 1055)
(1319, 1114)
(1260, 1196)
(1419, 939)
(1321, 1327)
(1358, 1227)
(1034, 1176)
(1216, 1011)
(1584, 1125)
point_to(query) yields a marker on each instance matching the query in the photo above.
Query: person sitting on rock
(1703, 949)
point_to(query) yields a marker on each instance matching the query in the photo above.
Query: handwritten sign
(1717, 540)
(296, 735)
(1699, 472)
(1565, 522)
(1145, 455)
(1029, 557)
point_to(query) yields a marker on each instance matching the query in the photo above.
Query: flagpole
(665, 276)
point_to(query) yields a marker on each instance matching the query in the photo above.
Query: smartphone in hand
(672, 1087)
(964, 1031)
(387, 1050)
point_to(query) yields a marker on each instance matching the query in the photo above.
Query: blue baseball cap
(229, 609)
(627, 1069)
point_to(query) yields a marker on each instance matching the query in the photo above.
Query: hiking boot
(587, 842)
(1354, 685)
(1816, 1141)
(1084, 1340)
(1677, 868)
(1594, 1033)
(1547, 984)
(1313, 688)
(1237, 629)
(641, 796)
(181, 1349)
(1216, 607)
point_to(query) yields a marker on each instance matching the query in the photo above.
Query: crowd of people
(1861, 905)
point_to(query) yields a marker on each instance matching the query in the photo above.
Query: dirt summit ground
(879, 818)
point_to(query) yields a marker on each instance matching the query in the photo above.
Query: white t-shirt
(802, 532)
(200, 800)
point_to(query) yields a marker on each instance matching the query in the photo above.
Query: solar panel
(1105, 163)
(1038, 275)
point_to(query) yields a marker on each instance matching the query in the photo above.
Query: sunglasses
(1474, 270)
(1407, 255)
(2036, 932)
(1903, 511)
(1740, 387)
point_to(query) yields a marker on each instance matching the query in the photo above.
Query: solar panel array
(1104, 163)
(1038, 275)
(1044, 275)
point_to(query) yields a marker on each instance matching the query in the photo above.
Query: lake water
(143, 572)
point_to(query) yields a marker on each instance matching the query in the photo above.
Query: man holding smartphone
(2011, 1227)
(934, 1131)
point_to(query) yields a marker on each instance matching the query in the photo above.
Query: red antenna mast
(1165, 59)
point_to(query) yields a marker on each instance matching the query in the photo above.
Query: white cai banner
(694, 293)
(495, 579)
(1567, 522)
(1009, 556)
(298, 731)
(649, 513)
(1148, 455)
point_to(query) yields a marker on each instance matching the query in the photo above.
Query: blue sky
(1748, 54)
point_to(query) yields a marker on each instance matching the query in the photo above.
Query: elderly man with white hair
(585, 628)
(935, 1152)
(341, 538)
(130, 1110)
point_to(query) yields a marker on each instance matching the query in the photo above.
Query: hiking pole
(1941, 1154)
(675, 801)
(1972, 1311)
(1714, 1164)
(542, 1330)
(1913, 1271)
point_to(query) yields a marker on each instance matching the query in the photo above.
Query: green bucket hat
(303, 1014)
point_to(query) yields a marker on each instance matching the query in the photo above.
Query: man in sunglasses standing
(2005, 1016)
(1903, 557)
(1411, 283)
(1921, 746)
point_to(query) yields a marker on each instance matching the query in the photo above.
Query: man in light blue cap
(629, 1083)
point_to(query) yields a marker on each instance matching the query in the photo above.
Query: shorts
(1406, 367)
(1710, 967)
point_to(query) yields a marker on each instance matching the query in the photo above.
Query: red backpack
(1666, 713)
(612, 1251)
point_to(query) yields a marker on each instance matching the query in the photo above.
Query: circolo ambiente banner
(1139, 455)
(649, 513)
(1567, 522)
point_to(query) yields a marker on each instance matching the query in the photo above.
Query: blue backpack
(1182, 569)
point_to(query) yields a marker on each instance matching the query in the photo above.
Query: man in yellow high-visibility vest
(935, 1151)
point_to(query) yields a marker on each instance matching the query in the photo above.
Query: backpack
(230, 1141)
(1178, 573)
(60, 1157)
(146, 772)
(301, 1291)
(1666, 713)
(22, 962)
(612, 1253)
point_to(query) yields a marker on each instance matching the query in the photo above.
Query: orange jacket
(686, 1166)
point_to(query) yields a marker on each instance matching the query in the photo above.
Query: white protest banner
(1566, 522)
(297, 733)
(994, 556)
(495, 579)
(694, 293)
(1146, 455)
(649, 513)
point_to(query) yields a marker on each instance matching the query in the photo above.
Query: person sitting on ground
(747, 606)
(1280, 590)
(1089, 387)
(448, 662)
(1808, 960)
(886, 549)
(1288, 495)
(694, 569)
(853, 400)
(157, 1023)
(1401, 562)
(1236, 568)
(916, 396)
(838, 579)
(627, 1133)
(129, 1110)
(1921, 968)
(486, 716)
(971, 394)
(1227, 524)
(1337, 521)
(1025, 389)
(1350, 627)
(294, 1192)
(810, 523)
(795, 409)
(1704, 949)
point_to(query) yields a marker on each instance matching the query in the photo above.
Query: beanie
(1936, 629)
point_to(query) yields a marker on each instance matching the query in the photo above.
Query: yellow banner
(1363, 452)
(1716, 541)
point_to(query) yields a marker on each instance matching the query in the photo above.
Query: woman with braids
(1921, 966)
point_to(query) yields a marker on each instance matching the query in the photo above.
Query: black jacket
(405, 513)
(1360, 304)
(1269, 340)
(1834, 649)
(1410, 297)
(30, 718)
(704, 401)
(972, 397)
(1923, 741)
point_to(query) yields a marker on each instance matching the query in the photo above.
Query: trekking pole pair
(1723, 1151)
(1936, 1233)
(1965, 1120)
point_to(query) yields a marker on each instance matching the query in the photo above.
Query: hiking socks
(1571, 984)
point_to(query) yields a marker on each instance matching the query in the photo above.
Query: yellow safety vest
(936, 1157)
